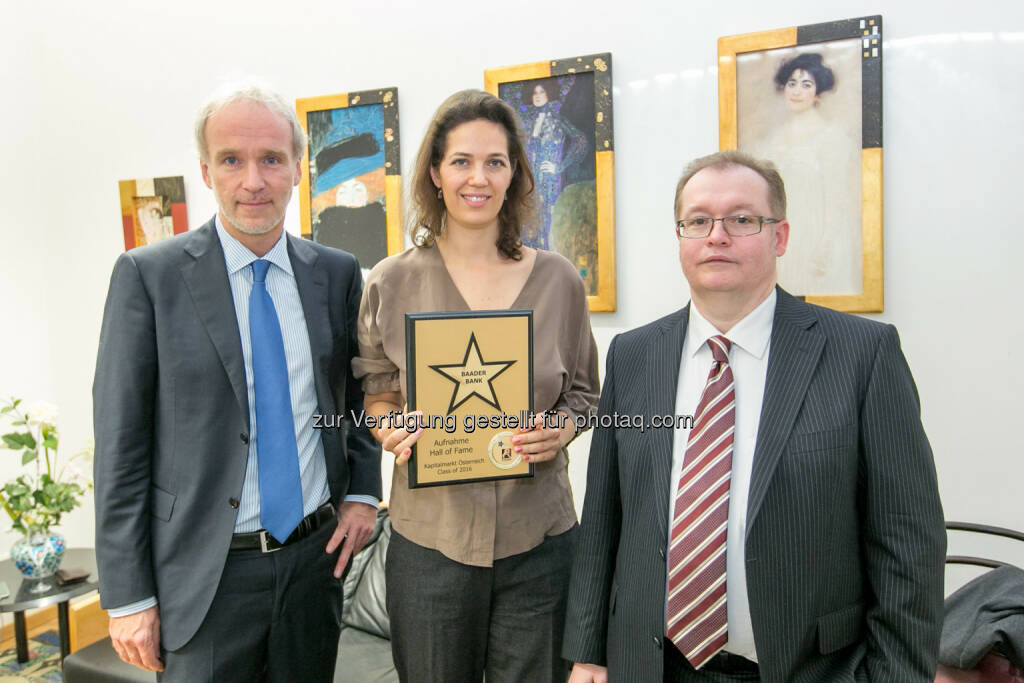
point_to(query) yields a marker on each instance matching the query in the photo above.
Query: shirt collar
(751, 334)
(237, 256)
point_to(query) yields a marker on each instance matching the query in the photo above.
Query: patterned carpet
(43, 665)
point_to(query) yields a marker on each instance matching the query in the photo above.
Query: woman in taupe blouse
(477, 574)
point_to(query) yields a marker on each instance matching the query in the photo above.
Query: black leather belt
(262, 540)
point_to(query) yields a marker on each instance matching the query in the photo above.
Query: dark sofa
(364, 651)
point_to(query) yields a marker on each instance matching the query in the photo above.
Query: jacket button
(244, 437)
(233, 502)
(657, 641)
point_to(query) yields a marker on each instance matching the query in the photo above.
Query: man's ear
(781, 237)
(205, 168)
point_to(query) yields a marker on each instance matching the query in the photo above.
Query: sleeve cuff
(133, 608)
(361, 498)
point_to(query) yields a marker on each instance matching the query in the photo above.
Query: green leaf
(17, 401)
(18, 422)
(28, 440)
(13, 441)
(50, 442)
(6, 409)
(28, 456)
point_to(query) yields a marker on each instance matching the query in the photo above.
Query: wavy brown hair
(427, 218)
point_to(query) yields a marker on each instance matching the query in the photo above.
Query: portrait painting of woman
(556, 147)
(800, 108)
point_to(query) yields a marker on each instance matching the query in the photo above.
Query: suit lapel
(663, 356)
(792, 361)
(311, 281)
(206, 277)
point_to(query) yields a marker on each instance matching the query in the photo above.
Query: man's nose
(718, 234)
(253, 178)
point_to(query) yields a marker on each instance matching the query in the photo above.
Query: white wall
(102, 92)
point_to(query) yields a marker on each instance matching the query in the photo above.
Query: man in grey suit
(795, 532)
(220, 509)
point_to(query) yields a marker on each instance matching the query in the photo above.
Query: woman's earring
(439, 195)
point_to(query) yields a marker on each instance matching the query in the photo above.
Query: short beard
(255, 230)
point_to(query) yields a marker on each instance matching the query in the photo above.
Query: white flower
(41, 413)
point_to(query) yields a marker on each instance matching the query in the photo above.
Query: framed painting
(152, 209)
(565, 108)
(809, 99)
(351, 188)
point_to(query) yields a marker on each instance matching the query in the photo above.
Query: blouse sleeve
(580, 398)
(377, 372)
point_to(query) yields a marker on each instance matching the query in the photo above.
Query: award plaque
(471, 375)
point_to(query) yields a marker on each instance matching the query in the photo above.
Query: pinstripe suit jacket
(845, 540)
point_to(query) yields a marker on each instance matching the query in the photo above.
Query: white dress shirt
(748, 359)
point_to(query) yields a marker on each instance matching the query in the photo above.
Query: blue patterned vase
(38, 556)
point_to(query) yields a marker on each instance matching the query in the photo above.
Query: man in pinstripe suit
(835, 542)
(195, 585)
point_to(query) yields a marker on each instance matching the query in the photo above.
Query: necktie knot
(259, 270)
(720, 346)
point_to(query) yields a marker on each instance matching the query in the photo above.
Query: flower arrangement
(37, 499)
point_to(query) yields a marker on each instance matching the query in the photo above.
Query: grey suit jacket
(845, 539)
(171, 416)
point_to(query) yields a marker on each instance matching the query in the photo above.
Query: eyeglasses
(735, 226)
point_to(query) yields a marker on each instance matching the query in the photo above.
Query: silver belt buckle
(264, 536)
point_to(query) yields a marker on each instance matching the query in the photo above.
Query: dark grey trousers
(275, 617)
(454, 623)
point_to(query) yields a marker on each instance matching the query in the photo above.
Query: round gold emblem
(501, 453)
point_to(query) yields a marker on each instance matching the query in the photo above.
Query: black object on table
(22, 598)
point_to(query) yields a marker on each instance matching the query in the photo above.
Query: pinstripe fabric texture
(696, 616)
(845, 540)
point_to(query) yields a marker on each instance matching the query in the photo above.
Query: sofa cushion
(365, 607)
(364, 658)
(99, 663)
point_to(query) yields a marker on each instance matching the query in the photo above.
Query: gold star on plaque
(473, 376)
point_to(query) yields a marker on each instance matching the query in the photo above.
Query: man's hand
(136, 638)
(588, 673)
(355, 526)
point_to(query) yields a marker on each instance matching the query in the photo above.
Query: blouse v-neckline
(458, 294)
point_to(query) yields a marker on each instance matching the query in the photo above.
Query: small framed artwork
(351, 187)
(565, 108)
(809, 99)
(152, 209)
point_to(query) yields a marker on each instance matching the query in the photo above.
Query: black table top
(22, 599)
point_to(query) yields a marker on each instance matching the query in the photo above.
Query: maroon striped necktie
(696, 614)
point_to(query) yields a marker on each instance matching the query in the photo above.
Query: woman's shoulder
(554, 266)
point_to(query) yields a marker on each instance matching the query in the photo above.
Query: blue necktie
(277, 454)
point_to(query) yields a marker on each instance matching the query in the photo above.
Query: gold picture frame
(354, 202)
(570, 140)
(749, 121)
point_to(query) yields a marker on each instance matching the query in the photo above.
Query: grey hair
(250, 90)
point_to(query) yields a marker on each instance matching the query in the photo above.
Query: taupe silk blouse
(481, 522)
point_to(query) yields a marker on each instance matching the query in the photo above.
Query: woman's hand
(542, 441)
(397, 439)
(393, 425)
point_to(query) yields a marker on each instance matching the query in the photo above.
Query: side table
(22, 599)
